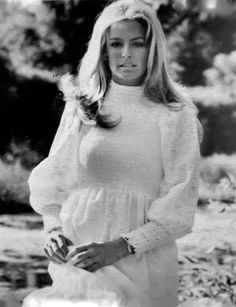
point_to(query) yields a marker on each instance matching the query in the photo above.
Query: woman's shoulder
(184, 106)
(178, 111)
(183, 121)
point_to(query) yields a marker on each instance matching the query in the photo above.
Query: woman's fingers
(51, 258)
(88, 265)
(47, 254)
(92, 268)
(51, 251)
(67, 241)
(63, 243)
(81, 262)
(56, 253)
(91, 247)
(76, 250)
(57, 247)
(79, 257)
(86, 256)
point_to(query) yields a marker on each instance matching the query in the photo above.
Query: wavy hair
(91, 83)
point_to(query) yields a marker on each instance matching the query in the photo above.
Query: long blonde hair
(93, 78)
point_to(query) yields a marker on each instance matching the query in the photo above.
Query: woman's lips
(127, 65)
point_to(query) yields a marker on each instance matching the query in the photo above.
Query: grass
(206, 256)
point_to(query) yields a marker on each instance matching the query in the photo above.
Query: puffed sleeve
(171, 215)
(55, 177)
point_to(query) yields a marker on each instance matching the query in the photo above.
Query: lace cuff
(147, 237)
(51, 217)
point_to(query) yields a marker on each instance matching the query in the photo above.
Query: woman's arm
(171, 216)
(55, 178)
(52, 180)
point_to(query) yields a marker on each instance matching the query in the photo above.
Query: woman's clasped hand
(56, 246)
(90, 257)
(94, 256)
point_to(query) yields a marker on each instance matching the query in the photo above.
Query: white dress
(139, 179)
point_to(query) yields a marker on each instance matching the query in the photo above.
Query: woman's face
(127, 52)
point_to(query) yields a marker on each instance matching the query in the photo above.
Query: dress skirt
(148, 280)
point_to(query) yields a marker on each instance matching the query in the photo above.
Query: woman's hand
(93, 256)
(56, 246)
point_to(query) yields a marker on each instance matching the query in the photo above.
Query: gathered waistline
(114, 188)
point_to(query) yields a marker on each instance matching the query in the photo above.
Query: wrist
(57, 229)
(121, 248)
(130, 247)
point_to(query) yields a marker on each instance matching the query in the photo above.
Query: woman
(120, 184)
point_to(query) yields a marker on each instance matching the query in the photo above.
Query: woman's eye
(115, 44)
(139, 44)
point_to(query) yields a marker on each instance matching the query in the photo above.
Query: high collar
(126, 90)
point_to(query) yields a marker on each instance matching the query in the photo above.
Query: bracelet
(131, 249)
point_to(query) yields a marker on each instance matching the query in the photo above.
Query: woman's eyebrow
(115, 38)
(133, 38)
(138, 37)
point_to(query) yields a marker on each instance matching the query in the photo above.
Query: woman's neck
(133, 82)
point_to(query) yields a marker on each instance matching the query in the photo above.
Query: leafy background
(40, 40)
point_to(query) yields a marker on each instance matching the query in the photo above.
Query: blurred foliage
(218, 179)
(217, 105)
(219, 129)
(26, 114)
(220, 82)
(28, 38)
(27, 87)
(196, 42)
(13, 183)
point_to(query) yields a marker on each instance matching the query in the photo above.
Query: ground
(206, 258)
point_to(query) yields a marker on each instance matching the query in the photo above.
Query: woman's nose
(126, 53)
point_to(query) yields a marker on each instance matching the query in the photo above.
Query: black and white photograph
(117, 153)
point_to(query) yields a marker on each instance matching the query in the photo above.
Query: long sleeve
(171, 215)
(55, 177)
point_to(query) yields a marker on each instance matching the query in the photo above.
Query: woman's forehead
(126, 29)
